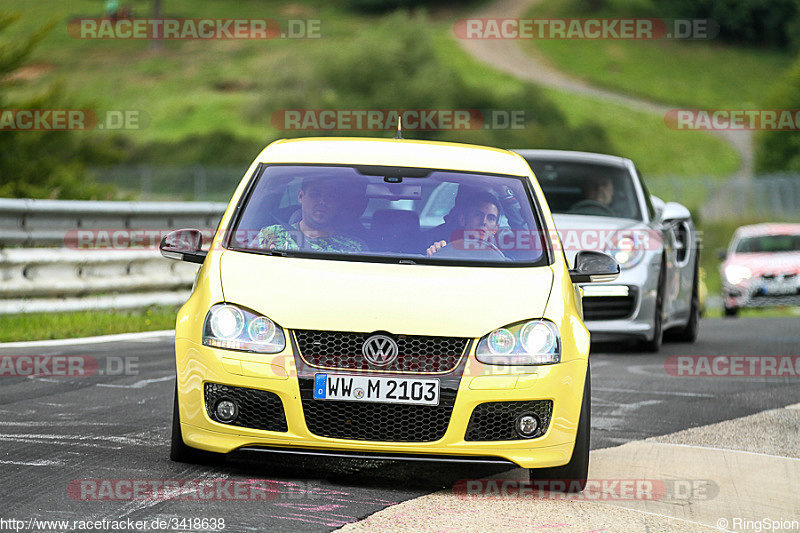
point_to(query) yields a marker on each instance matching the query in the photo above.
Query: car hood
(767, 263)
(402, 299)
(585, 232)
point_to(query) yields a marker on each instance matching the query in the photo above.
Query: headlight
(627, 251)
(735, 274)
(535, 342)
(235, 328)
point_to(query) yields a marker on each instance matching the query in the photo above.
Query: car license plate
(376, 389)
(779, 288)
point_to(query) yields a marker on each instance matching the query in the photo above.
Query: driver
(480, 217)
(599, 189)
(320, 204)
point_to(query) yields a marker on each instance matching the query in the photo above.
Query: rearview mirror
(594, 266)
(722, 253)
(183, 245)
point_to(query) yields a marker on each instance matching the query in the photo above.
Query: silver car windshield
(768, 244)
(578, 188)
(390, 214)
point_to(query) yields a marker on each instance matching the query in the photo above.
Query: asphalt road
(54, 431)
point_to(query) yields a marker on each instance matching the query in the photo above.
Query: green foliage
(395, 64)
(382, 6)
(780, 150)
(40, 326)
(761, 22)
(42, 164)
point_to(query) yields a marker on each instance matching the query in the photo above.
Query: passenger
(479, 220)
(321, 203)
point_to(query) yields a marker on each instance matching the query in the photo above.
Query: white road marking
(626, 408)
(667, 393)
(138, 385)
(143, 336)
(32, 463)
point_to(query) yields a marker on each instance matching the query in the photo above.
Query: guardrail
(45, 267)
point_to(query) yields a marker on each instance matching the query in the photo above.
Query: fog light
(226, 410)
(527, 426)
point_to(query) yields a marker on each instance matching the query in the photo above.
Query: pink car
(761, 267)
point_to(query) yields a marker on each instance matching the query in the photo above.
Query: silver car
(600, 202)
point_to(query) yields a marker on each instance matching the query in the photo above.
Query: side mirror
(594, 266)
(674, 211)
(658, 205)
(183, 245)
(722, 253)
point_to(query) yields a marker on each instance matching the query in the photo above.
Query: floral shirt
(278, 237)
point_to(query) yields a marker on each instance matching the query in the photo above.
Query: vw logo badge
(380, 350)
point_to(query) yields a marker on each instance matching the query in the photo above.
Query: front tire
(690, 331)
(654, 345)
(575, 473)
(179, 451)
(731, 311)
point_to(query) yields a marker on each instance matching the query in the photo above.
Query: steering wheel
(590, 205)
(470, 249)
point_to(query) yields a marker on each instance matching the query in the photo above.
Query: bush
(780, 150)
(761, 22)
(44, 164)
(395, 64)
(382, 6)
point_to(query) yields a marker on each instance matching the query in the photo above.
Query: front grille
(378, 421)
(495, 420)
(608, 307)
(343, 350)
(789, 300)
(258, 409)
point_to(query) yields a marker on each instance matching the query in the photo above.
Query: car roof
(767, 228)
(575, 156)
(395, 152)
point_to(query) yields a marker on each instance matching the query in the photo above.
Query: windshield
(587, 188)
(389, 214)
(768, 244)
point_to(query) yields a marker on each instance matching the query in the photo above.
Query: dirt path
(508, 56)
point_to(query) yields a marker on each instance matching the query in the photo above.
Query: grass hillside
(702, 73)
(211, 102)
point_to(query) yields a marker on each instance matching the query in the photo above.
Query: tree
(39, 164)
(157, 44)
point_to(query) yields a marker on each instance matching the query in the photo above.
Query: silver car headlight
(235, 328)
(627, 251)
(735, 274)
(535, 342)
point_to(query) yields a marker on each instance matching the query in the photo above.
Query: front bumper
(753, 295)
(640, 286)
(477, 383)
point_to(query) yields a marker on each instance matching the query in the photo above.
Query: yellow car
(386, 298)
